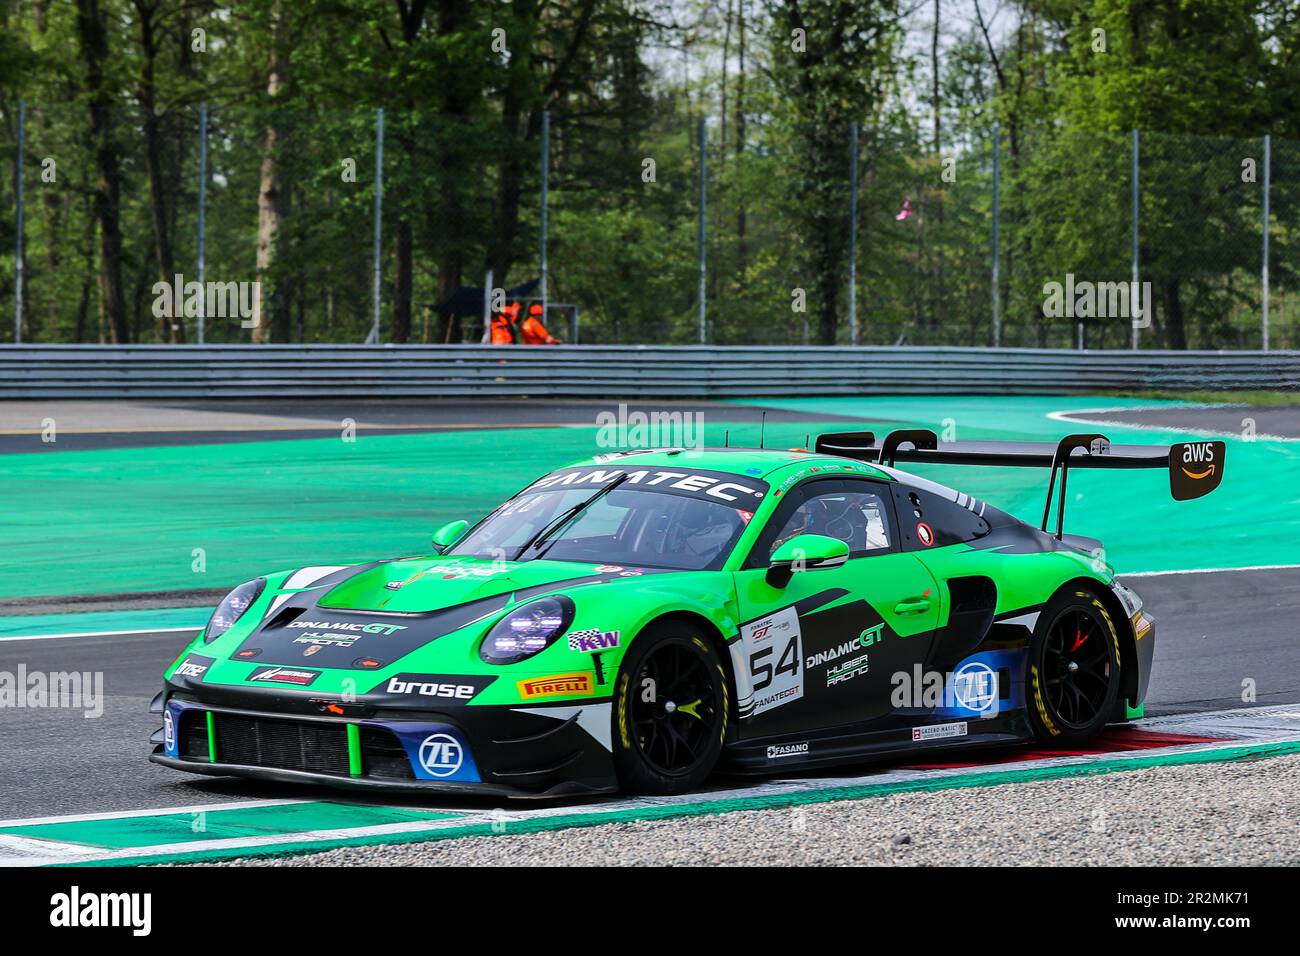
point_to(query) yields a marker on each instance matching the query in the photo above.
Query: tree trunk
(452, 156)
(934, 75)
(501, 254)
(92, 39)
(1175, 326)
(521, 122)
(402, 283)
(742, 249)
(169, 329)
(410, 15)
(272, 198)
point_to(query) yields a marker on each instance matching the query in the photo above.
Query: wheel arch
(712, 634)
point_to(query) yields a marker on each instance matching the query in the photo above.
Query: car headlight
(527, 630)
(232, 608)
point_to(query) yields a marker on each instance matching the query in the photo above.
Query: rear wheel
(1073, 669)
(671, 709)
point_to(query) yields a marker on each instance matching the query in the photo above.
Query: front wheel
(1073, 669)
(671, 710)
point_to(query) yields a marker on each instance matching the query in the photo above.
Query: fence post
(373, 337)
(1268, 170)
(704, 335)
(18, 224)
(997, 225)
(546, 198)
(203, 210)
(1135, 289)
(853, 233)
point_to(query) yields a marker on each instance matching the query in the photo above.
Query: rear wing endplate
(1195, 468)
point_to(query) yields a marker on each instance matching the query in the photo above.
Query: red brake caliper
(1078, 640)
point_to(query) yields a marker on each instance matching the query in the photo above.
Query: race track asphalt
(97, 426)
(1214, 632)
(1221, 635)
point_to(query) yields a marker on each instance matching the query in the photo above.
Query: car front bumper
(536, 753)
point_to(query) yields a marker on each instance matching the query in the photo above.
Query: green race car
(636, 620)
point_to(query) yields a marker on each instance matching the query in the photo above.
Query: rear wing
(1195, 468)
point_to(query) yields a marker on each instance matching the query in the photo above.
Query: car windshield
(688, 520)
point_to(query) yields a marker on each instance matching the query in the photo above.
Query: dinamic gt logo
(441, 755)
(370, 628)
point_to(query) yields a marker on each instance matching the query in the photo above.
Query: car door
(822, 650)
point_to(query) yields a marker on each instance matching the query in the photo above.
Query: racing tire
(671, 707)
(1074, 669)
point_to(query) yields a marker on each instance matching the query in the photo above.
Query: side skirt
(838, 746)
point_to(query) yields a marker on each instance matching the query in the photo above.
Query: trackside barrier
(465, 371)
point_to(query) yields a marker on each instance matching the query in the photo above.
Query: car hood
(361, 623)
(419, 585)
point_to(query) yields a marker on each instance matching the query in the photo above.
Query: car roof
(755, 462)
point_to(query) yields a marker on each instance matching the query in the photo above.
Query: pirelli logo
(557, 685)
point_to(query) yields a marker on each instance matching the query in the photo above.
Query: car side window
(855, 512)
(930, 520)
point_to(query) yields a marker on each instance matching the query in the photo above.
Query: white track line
(154, 812)
(1253, 567)
(1259, 725)
(1068, 417)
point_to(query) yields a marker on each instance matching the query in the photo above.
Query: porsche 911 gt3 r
(636, 621)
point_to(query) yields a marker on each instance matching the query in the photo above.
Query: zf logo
(976, 687)
(441, 755)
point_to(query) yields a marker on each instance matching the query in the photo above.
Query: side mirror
(805, 552)
(449, 534)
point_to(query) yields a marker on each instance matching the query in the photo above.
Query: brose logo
(75, 909)
(431, 689)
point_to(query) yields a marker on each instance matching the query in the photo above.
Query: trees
(1186, 69)
(831, 59)
(112, 88)
(92, 38)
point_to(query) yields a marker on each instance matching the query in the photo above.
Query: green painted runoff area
(707, 804)
(94, 622)
(123, 832)
(206, 516)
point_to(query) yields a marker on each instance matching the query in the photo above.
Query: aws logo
(1195, 468)
(1198, 460)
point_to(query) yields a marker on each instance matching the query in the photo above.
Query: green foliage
(626, 83)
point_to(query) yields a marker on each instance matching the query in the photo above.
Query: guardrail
(465, 371)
